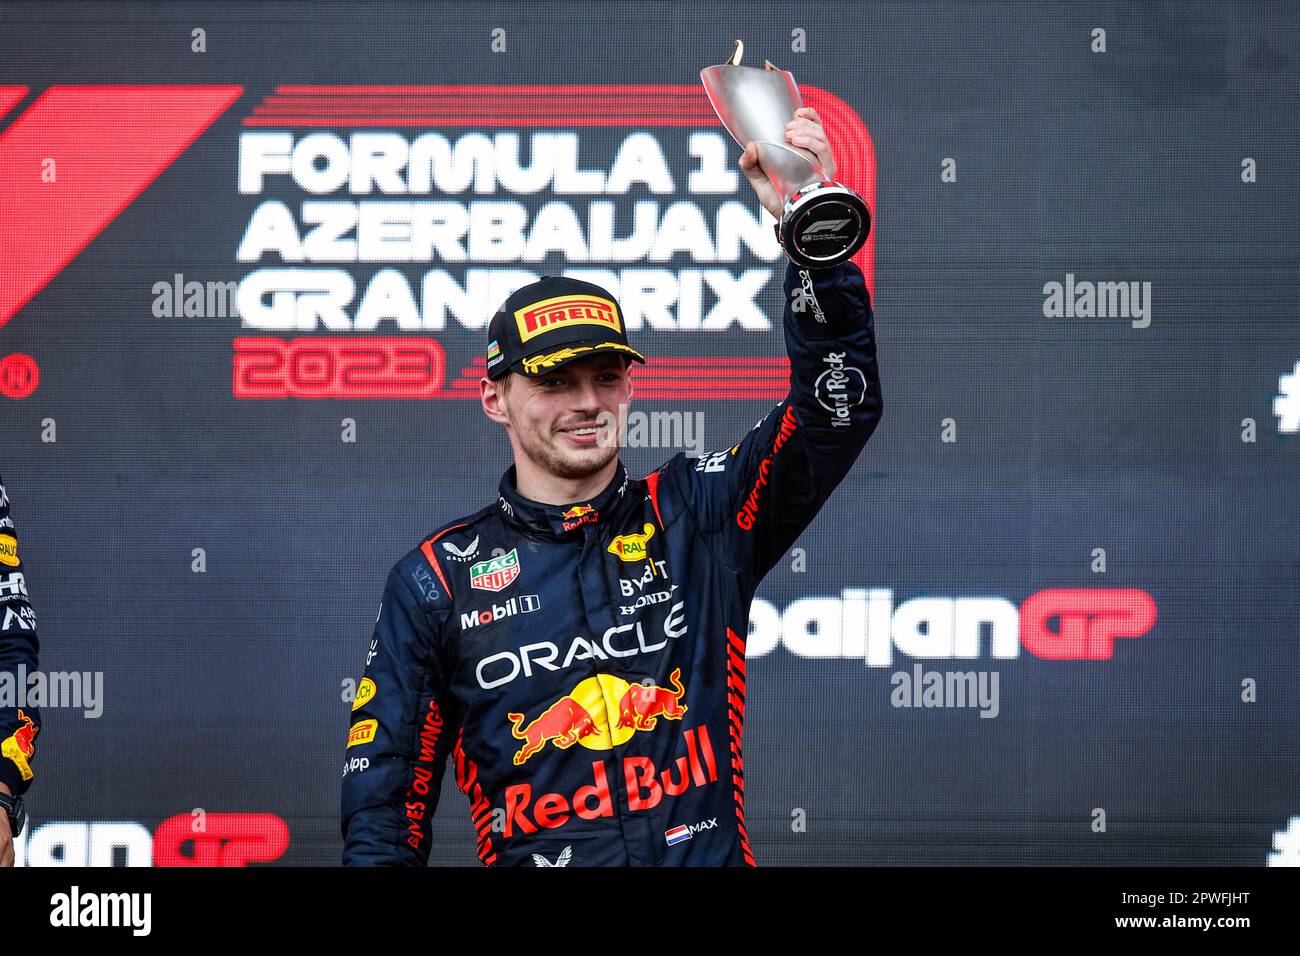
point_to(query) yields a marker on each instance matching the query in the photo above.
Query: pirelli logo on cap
(566, 310)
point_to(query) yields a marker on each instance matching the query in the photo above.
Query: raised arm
(753, 500)
(18, 648)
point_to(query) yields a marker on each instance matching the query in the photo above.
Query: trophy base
(822, 225)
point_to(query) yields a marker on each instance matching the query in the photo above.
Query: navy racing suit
(19, 724)
(582, 666)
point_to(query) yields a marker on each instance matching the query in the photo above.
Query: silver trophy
(823, 222)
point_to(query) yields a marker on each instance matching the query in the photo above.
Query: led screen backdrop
(247, 255)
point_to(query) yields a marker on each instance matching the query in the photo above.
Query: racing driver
(576, 649)
(20, 724)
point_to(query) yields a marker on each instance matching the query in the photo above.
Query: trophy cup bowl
(822, 223)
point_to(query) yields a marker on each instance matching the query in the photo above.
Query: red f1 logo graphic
(78, 157)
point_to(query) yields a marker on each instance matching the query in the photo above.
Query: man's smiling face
(568, 420)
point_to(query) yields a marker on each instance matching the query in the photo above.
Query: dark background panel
(223, 688)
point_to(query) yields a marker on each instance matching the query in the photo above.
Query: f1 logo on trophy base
(823, 222)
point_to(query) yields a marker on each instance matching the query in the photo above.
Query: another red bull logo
(19, 746)
(579, 515)
(581, 716)
(643, 704)
(565, 722)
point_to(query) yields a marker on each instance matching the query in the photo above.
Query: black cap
(552, 322)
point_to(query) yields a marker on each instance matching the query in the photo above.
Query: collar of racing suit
(560, 520)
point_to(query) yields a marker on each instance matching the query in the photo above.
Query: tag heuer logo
(496, 573)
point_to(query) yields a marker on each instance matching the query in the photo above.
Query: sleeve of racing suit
(18, 649)
(753, 500)
(402, 729)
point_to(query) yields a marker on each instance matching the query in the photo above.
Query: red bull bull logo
(19, 746)
(580, 716)
(565, 722)
(642, 705)
(578, 515)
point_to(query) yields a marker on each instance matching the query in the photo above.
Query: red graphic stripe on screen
(531, 119)
(10, 96)
(486, 106)
(481, 103)
(107, 144)
(679, 377)
(491, 89)
(855, 155)
(706, 391)
(702, 363)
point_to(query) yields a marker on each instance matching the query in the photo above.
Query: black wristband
(13, 807)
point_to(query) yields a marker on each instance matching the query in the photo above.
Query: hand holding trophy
(788, 161)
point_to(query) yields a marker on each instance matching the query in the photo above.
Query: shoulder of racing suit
(19, 647)
(420, 568)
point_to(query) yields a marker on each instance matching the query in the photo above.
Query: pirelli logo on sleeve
(566, 310)
(362, 732)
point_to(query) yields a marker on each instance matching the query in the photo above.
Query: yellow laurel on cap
(538, 362)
